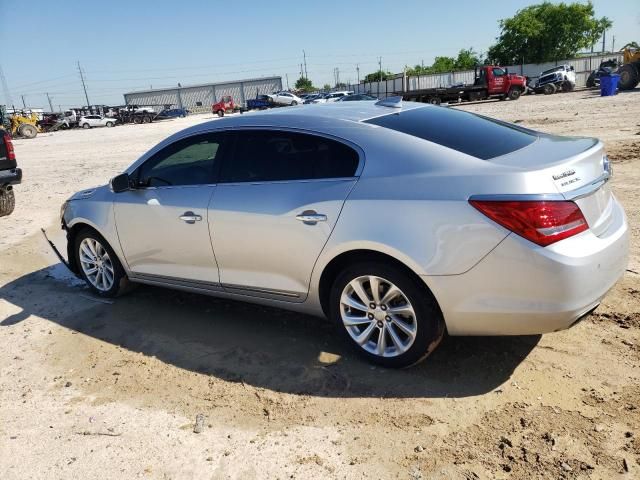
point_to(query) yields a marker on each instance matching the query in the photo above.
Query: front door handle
(311, 217)
(190, 217)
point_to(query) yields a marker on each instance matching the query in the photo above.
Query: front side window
(190, 161)
(271, 155)
(498, 72)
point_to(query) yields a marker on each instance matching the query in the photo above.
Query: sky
(138, 44)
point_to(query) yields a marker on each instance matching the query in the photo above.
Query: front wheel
(387, 316)
(567, 87)
(109, 124)
(221, 113)
(86, 126)
(294, 103)
(514, 93)
(98, 264)
(549, 89)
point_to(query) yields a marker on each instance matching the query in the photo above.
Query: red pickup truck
(10, 174)
(225, 105)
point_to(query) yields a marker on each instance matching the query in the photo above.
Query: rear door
(162, 224)
(277, 202)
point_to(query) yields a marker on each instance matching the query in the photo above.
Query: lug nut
(372, 305)
(383, 307)
(387, 318)
(370, 316)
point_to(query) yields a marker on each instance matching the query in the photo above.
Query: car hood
(87, 193)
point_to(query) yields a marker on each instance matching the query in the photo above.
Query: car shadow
(260, 346)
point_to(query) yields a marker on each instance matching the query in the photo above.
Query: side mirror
(120, 183)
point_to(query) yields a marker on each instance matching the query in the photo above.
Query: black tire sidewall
(120, 274)
(428, 315)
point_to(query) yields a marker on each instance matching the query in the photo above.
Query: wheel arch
(72, 232)
(333, 268)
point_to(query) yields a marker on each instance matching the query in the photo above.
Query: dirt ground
(111, 389)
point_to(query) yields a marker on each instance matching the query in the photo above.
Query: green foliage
(547, 32)
(467, 59)
(326, 87)
(377, 76)
(305, 85)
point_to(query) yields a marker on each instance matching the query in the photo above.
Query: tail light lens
(542, 222)
(11, 154)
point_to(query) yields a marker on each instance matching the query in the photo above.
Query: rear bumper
(10, 177)
(521, 289)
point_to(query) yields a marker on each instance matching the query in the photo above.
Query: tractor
(23, 125)
(630, 70)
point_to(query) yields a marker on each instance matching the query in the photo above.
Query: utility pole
(613, 44)
(86, 96)
(301, 71)
(287, 77)
(337, 76)
(304, 56)
(358, 70)
(23, 104)
(5, 88)
(380, 67)
(604, 37)
(50, 105)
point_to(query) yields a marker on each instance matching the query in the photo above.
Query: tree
(326, 87)
(377, 76)
(305, 85)
(467, 59)
(547, 32)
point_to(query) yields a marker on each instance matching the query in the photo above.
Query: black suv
(10, 174)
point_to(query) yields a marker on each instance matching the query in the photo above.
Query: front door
(278, 200)
(163, 223)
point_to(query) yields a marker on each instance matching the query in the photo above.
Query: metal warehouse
(199, 98)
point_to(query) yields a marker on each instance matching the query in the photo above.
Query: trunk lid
(578, 169)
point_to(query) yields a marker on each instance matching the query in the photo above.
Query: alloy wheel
(378, 316)
(96, 264)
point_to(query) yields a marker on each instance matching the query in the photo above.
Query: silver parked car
(90, 121)
(395, 221)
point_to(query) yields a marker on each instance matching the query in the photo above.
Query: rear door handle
(190, 217)
(311, 217)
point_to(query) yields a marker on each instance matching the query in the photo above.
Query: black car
(356, 97)
(10, 174)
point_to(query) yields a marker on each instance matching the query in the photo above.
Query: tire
(119, 283)
(137, 120)
(27, 130)
(591, 80)
(294, 103)
(146, 119)
(425, 321)
(86, 126)
(221, 113)
(109, 124)
(549, 89)
(7, 202)
(629, 76)
(567, 87)
(434, 100)
(514, 93)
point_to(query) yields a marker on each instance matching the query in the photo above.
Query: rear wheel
(98, 264)
(294, 103)
(549, 89)
(27, 130)
(221, 113)
(86, 125)
(110, 124)
(434, 100)
(137, 120)
(146, 119)
(591, 80)
(387, 316)
(7, 201)
(567, 87)
(629, 76)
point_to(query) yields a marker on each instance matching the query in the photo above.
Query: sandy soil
(97, 389)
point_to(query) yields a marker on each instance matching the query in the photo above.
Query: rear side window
(465, 132)
(271, 155)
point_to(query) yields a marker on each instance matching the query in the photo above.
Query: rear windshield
(467, 133)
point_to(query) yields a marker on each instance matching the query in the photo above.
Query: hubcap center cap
(379, 314)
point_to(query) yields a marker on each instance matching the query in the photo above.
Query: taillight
(542, 222)
(11, 154)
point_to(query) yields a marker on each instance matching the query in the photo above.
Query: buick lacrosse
(397, 222)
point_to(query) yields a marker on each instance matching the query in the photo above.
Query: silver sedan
(397, 222)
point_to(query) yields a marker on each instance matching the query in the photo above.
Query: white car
(286, 98)
(90, 121)
(333, 97)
